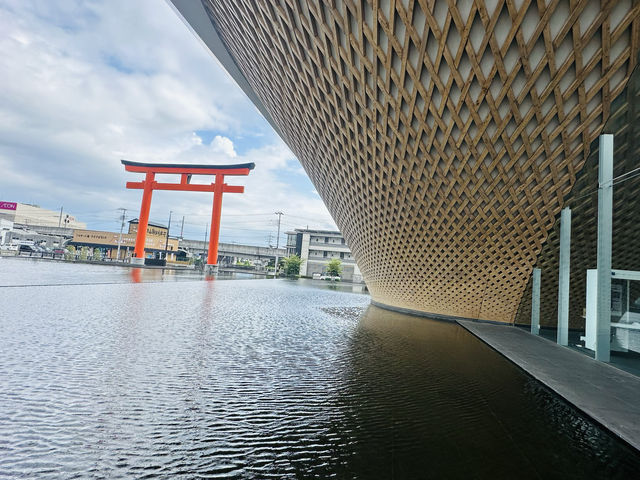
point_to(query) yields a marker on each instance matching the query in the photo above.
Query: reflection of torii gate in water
(149, 184)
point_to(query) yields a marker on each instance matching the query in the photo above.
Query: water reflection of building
(317, 248)
(107, 242)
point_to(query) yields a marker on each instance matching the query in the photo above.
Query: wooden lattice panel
(624, 124)
(442, 135)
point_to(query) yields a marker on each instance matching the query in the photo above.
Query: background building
(18, 235)
(155, 241)
(317, 248)
(29, 224)
(34, 215)
(6, 226)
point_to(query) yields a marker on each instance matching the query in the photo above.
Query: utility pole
(166, 242)
(60, 218)
(122, 217)
(275, 270)
(182, 229)
(204, 247)
(278, 237)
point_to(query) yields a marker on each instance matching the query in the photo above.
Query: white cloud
(84, 84)
(223, 145)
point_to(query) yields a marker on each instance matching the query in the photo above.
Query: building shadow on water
(417, 398)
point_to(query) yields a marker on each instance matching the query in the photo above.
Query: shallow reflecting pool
(24, 271)
(268, 379)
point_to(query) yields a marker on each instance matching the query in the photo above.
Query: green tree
(71, 253)
(334, 267)
(97, 255)
(84, 253)
(292, 265)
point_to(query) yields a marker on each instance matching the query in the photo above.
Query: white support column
(563, 277)
(535, 302)
(605, 227)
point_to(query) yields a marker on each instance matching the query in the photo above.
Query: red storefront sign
(8, 205)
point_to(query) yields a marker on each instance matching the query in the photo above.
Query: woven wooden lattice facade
(443, 136)
(624, 124)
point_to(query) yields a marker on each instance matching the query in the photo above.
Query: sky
(86, 83)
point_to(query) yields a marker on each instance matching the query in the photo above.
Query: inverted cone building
(443, 136)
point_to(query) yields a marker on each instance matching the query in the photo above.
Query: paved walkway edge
(607, 395)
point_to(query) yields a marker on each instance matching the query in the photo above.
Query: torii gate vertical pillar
(214, 236)
(143, 220)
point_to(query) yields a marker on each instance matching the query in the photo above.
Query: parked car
(59, 251)
(28, 249)
(330, 277)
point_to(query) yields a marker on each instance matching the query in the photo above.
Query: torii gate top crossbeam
(191, 169)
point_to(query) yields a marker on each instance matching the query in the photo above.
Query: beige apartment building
(317, 248)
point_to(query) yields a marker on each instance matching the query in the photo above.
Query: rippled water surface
(27, 271)
(265, 379)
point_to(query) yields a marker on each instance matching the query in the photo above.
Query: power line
(614, 181)
(228, 214)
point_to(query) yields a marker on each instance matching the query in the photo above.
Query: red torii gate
(149, 184)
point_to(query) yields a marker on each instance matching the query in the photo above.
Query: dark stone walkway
(608, 395)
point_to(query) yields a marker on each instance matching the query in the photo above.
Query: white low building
(317, 248)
